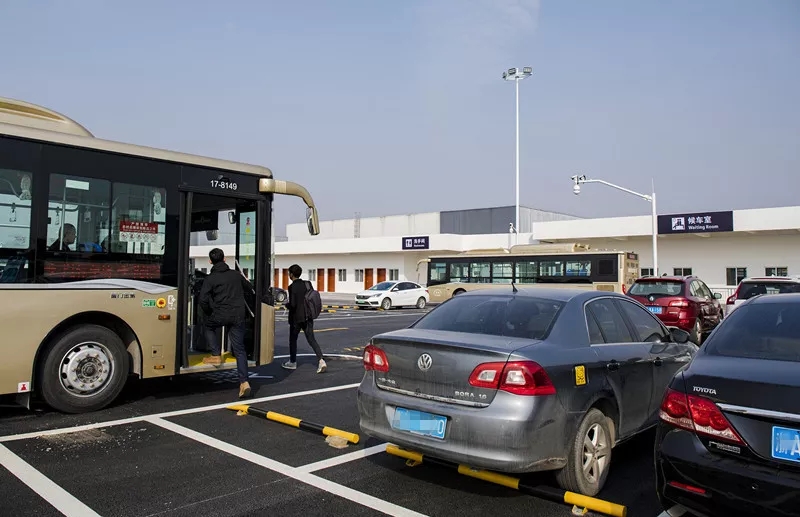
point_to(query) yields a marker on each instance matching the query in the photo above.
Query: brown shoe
(215, 360)
(244, 389)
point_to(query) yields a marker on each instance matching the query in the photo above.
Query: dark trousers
(235, 334)
(308, 329)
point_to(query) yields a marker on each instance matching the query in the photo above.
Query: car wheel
(386, 304)
(421, 302)
(84, 370)
(697, 333)
(589, 456)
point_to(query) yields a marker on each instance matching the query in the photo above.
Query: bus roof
(25, 120)
(531, 249)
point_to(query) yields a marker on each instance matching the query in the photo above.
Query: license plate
(419, 422)
(786, 443)
(654, 310)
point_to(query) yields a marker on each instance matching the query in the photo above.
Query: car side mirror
(394, 289)
(679, 335)
(717, 296)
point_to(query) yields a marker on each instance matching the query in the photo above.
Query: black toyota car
(728, 440)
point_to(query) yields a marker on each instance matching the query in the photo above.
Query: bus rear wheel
(84, 369)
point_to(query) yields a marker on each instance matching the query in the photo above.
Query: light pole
(580, 179)
(516, 75)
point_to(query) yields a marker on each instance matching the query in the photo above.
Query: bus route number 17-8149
(225, 185)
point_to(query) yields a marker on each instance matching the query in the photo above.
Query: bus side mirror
(312, 220)
(232, 219)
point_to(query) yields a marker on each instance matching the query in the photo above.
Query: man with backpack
(304, 306)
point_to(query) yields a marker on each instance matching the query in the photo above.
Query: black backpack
(312, 302)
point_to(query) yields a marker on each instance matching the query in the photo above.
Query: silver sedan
(539, 379)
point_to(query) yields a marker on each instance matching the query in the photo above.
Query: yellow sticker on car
(580, 375)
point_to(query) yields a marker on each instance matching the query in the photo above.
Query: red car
(685, 302)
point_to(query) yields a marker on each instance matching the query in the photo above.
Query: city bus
(96, 280)
(572, 265)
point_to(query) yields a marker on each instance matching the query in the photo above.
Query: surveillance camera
(576, 189)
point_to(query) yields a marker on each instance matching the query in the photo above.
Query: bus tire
(84, 369)
(458, 291)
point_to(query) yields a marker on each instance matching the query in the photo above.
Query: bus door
(240, 228)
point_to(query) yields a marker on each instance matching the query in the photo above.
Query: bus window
(15, 209)
(138, 218)
(438, 272)
(583, 268)
(551, 268)
(479, 273)
(459, 272)
(526, 272)
(77, 214)
(502, 273)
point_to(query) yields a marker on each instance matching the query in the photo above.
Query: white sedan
(398, 294)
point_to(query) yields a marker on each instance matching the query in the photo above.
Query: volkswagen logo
(424, 362)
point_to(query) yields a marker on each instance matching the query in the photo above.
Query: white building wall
(709, 257)
(369, 227)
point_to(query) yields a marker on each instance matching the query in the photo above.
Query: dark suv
(685, 302)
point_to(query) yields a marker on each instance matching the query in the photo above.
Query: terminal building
(721, 248)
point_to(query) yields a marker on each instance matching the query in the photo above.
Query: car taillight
(697, 414)
(517, 377)
(732, 298)
(679, 303)
(375, 359)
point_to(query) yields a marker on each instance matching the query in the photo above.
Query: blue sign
(419, 422)
(416, 243)
(786, 444)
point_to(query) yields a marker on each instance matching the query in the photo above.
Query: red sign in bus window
(137, 231)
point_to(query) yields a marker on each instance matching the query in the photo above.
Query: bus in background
(567, 265)
(97, 282)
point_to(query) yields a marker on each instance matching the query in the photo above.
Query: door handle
(657, 361)
(613, 365)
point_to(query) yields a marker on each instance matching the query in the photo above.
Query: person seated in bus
(70, 233)
(222, 298)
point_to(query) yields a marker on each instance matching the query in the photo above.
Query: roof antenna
(514, 287)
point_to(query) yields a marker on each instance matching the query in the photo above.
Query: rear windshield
(658, 288)
(518, 316)
(752, 288)
(759, 331)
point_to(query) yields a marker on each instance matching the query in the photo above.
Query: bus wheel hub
(85, 368)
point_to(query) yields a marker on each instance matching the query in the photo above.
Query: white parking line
(131, 420)
(59, 498)
(288, 471)
(344, 458)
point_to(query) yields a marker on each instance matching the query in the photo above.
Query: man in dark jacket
(222, 299)
(298, 319)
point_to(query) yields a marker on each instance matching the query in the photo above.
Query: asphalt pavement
(172, 448)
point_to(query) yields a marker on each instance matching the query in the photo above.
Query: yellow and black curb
(545, 492)
(244, 409)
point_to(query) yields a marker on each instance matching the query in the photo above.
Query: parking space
(173, 448)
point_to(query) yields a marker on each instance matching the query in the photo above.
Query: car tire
(103, 359)
(386, 304)
(696, 335)
(594, 437)
(421, 302)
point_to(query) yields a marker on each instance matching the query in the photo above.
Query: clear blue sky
(389, 107)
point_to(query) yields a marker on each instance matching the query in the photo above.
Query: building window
(682, 271)
(734, 275)
(359, 275)
(647, 271)
(312, 275)
(394, 274)
(343, 275)
(776, 271)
